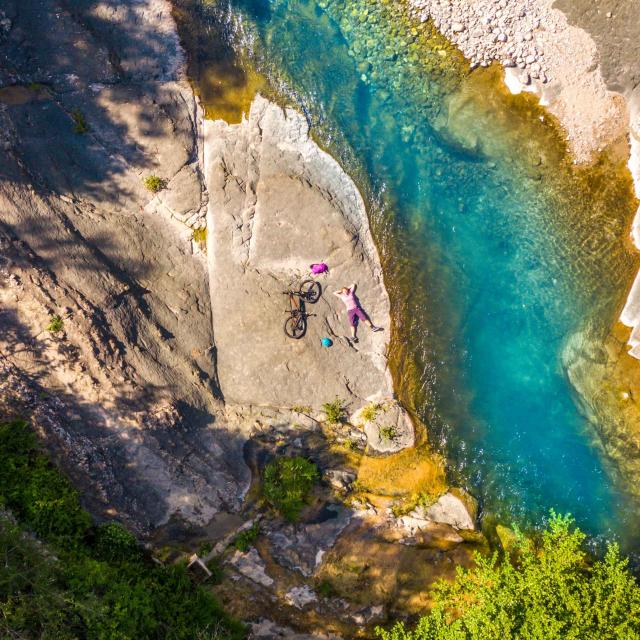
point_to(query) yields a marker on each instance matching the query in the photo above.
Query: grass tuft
(335, 411)
(55, 324)
(154, 183)
(80, 125)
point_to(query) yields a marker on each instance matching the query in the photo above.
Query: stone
(455, 510)
(507, 537)
(386, 424)
(457, 27)
(252, 566)
(300, 597)
(340, 479)
(301, 547)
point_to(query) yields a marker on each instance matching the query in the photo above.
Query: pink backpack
(318, 267)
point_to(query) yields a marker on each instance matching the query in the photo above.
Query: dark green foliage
(246, 539)
(115, 544)
(89, 583)
(286, 484)
(548, 592)
(35, 491)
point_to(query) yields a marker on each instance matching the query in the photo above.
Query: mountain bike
(295, 326)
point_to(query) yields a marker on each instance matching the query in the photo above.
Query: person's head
(344, 290)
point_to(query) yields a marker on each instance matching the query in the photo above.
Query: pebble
(488, 30)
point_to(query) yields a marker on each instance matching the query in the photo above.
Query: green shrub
(55, 324)
(335, 411)
(80, 125)
(326, 589)
(286, 484)
(370, 411)
(552, 592)
(301, 408)
(205, 548)
(244, 540)
(154, 183)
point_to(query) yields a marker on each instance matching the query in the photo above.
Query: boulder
(300, 597)
(457, 510)
(387, 425)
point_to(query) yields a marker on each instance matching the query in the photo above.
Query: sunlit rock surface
(277, 203)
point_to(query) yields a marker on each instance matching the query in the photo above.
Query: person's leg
(365, 318)
(353, 321)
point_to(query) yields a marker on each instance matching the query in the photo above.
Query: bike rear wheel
(295, 326)
(310, 290)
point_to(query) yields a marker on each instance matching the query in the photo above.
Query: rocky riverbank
(580, 58)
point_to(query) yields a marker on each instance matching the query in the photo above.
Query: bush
(335, 411)
(246, 538)
(115, 544)
(550, 592)
(35, 490)
(55, 324)
(154, 183)
(286, 485)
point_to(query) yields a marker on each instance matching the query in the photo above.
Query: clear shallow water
(494, 251)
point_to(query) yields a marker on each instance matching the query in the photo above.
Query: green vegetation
(370, 411)
(84, 581)
(547, 591)
(244, 540)
(335, 411)
(55, 324)
(388, 432)
(200, 236)
(326, 589)
(154, 183)
(79, 122)
(286, 484)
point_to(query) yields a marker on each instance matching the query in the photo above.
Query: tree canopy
(545, 591)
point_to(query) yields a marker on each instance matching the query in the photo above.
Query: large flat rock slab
(278, 203)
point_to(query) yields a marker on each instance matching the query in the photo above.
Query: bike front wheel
(295, 327)
(310, 290)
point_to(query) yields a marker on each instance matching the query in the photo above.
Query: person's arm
(352, 288)
(337, 293)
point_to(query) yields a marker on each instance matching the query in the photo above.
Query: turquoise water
(486, 275)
